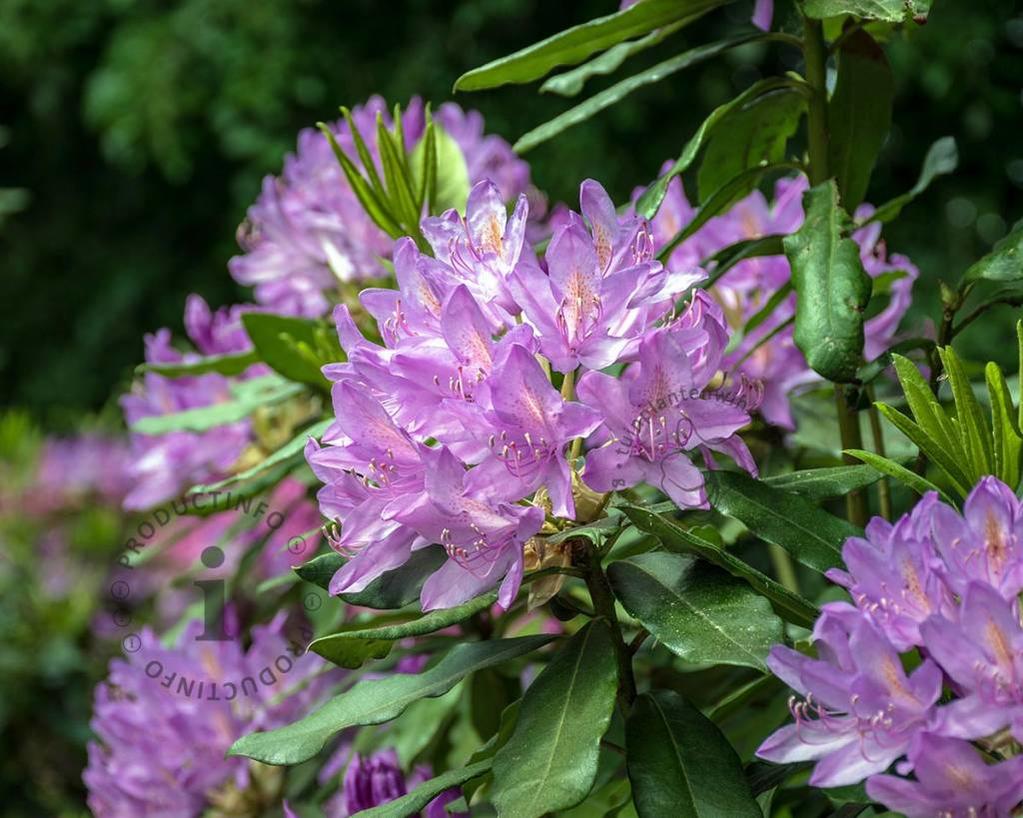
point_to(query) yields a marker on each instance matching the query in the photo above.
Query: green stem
(815, 53)
(783, 567)
(604, 605)
(884, 492)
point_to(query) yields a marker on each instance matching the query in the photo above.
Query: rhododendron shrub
(485, 507)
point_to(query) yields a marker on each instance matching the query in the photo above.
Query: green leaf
(354, 644)
(792, 607)
(1004, 263)
(575, 44)
(927, 412)
(726, 258)
(823, 484)
(811, 535)
(756, 135)
(650, 201)
(319, 570)
(696, 610)
(571, 82)
(221, 364)
(258, 392)
(942, 158)
(279, 341)
(1006, 432)
(892, 11)
(550, 761)
(974, 434)
(610, 96)
(370, 198)
(416, 801)
(946, 459)
(450, 182)
(681, 765)
(832, 286)
(397, 176)
(859, 115)
(400, 587)
(378, 700)
(884, 465)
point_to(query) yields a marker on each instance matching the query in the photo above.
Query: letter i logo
(213, 599)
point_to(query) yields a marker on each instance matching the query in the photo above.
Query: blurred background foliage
(136, 133)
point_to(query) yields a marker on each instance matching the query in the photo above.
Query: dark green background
(141, 131)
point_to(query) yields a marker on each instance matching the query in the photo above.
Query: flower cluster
(936, 608)
(307, 231)
(453, 430)
(769, 353)
(167, 715)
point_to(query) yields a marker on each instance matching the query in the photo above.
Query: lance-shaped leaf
(811, 535)
(822, 484)
(610, 96)
(756, 135)
(681, 765)
(696, 610)
(832, 286)
(391, 590)
(649, 203)
(447, 187)
(233, 364)
(859, 115)
(354, 644)
(377, 701)
(890, 11)
(550, 761)
(792, 607)
(575, 44)
(1004, 263)
(884, 465)
(416, 801)
(942, 158)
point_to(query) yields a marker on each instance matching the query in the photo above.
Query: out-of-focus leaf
(1004, 263)
(221, 364)
(650, 201)
(696, 610)
(291, 345)
(550, 761)
(575, 44)
(792, 607)
(859, 115)
(610, 96)
(681, 765)
(811, 535)
(376, 701)
(354, 644)
(942, 158)
(832, 286)
(756, 135)
(267, 391)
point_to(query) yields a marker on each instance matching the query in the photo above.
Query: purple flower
(763, 14)
(75, 469)
(860, 709)
(661, 408)
(600, 287)
(952, 781)
(165, 717)
(307, 233)
(769, 354)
